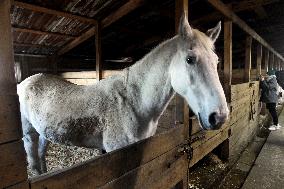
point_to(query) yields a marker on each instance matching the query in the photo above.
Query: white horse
(124, 109)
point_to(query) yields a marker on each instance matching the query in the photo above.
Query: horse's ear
(185, 31)
(214, 32)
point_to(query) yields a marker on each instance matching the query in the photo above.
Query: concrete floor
(268, 171)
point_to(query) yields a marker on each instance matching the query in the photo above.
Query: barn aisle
(268, 171)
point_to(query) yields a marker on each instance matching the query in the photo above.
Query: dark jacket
(269, 90)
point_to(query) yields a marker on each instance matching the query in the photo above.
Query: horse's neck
(151, 78)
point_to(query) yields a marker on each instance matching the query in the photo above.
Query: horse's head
(194, 75)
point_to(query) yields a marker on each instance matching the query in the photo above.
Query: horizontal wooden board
(89, 74)
(163, 172)
(101, 170)
(13, 167)
(10, 126)
(208, 146)
(82, 81)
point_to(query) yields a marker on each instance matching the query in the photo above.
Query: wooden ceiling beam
(220, 6)
(116, 15)
(32, 45)
(236, 7)
(39, 32)
(36, 8)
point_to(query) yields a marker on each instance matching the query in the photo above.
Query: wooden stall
(161, 161)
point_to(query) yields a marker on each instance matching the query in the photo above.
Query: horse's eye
(190, 59)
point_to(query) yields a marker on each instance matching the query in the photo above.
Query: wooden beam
(77, 41)
(181, 115)
(12, 157)
(98, 52)
(122, 11)
(36, 8)
(248, 59)
(116, 15)
(228, 32)
(258, 59)
(219, 5)
(271, 61)
(236, 7)
(266, 60)
(32, 45)
(39, 32)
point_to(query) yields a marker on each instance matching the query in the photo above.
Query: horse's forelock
(203, 39)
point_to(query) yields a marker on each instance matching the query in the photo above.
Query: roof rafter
(39, 32)
(36, 8)
(236, 7)
(116, 15)
(227, 12)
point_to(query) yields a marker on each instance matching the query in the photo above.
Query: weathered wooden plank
(89, 74)
(10, 126)
(12, 156)
(228, 58)
(239, 87)
(208, 146)
(207, 135)
(7, 76)
(36, 8)
(13, 164)
(240, 102)
(238, 95)
(39, 32)
(101, 170)
(163, 172)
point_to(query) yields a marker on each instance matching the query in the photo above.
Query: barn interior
(84, 41)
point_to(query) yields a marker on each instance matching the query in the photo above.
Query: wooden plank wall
(244, 115)
(87, 77)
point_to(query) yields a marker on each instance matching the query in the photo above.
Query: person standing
(269, 96)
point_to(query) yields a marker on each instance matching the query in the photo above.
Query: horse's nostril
(212, 119)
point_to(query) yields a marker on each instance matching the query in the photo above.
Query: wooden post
(223, 150)
(98, 52)
(228, 59)
(271, 59)
(266, 60)
(248, 59)
(258, 60)
(181, 108)
(13, 168)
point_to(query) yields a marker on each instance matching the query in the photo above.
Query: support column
(181, 109)
(247, 77)
(266, 60)
(228, 59)
(271, 60)
(13, 168)
(258, 60)
(98, 52)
